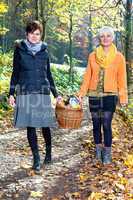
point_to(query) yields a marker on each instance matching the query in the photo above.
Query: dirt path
(73, 174)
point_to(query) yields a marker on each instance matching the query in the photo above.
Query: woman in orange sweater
(105, 82)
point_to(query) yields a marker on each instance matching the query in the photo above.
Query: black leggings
(32, 137)
(105, 119)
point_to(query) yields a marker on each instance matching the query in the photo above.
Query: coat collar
(21, 45)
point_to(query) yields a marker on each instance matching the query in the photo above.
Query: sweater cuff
(12, 91)
(54, 92)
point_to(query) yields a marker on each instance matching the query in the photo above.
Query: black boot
(32, 139)
(36, 162)
(48, 159)
(47, 137)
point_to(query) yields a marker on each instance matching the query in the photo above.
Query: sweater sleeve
(86, 80)
(15, 73)
(51, 81)
(122, 81)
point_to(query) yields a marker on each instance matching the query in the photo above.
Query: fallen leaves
(25, 165)
(1, 194)
(36, 194)
(31, 173)
(76, 195)
(83, 177)
(96, 196)
(120, 186)
(91, 181)
(129, 161)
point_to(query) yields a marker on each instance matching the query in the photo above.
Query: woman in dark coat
(32, 82)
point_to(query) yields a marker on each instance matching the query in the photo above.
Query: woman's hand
(79, 98)
(124, 105)
(59, 99)
(12, 101)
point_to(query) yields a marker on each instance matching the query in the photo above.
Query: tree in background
(129, 43)
(69, 26)
(3, 29)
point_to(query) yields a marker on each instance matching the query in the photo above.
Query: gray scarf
(34, 48)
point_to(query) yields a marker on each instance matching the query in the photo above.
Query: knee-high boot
(47, 137)
(32, 139)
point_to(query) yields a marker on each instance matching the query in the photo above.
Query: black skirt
(104, 103)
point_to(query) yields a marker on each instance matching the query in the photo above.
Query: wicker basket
(68, 117)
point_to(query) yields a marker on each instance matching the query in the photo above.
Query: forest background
(70, 28)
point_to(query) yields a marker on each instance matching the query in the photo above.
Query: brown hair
(33, 26)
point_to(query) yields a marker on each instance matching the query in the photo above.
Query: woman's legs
(107, 130)
(32, 139)
(96, 119)
(47, 137)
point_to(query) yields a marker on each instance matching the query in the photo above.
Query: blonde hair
(106, 29)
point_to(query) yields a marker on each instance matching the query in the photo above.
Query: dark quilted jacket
(31, 73)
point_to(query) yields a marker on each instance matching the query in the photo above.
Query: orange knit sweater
(115, 79)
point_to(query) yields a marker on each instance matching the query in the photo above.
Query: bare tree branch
(108, 7)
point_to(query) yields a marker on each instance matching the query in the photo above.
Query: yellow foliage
(3, 30)
(27, 13)
(123, 180)
(96, 196)
(35, 194)
(3, 8)
(129, 161)
(4, 84)
(83, 177)
(5, 59)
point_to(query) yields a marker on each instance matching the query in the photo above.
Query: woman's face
(106, 39)
(34, 37)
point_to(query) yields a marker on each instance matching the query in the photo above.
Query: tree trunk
(37, 9)
(129, 44)
(71, 78)
(90, 36)
(44, 29)
(44, 22)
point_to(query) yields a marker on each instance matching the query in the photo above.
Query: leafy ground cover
(74, 175)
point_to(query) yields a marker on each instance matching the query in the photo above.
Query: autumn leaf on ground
(123, 180)
(120, 186)
(31, 173)
(130, 195)
(25, 166)
(83, 154)
(129, 161)
(83, 177)
(35, 194)
(1, 194)
(96, 196)
(76, 194)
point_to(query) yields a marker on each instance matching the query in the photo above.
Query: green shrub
(61, 77)
(5, 65)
